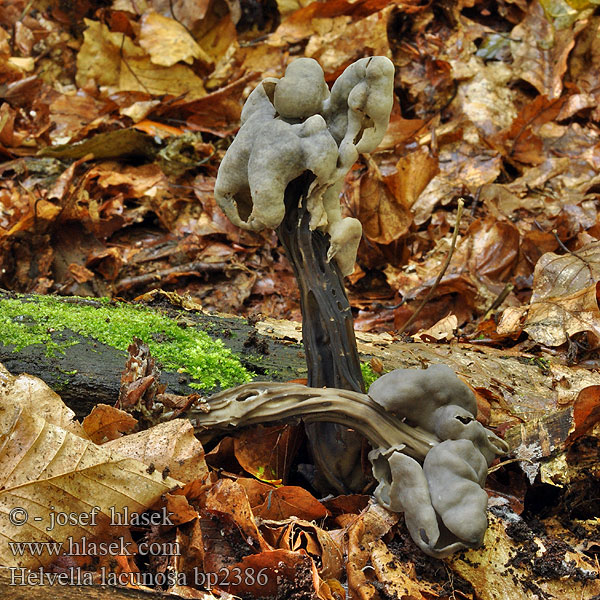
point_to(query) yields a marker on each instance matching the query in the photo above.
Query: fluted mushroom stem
(328, 337)
(262, 402)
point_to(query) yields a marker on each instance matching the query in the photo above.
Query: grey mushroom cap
(293, 124)
(443, 500)
(416, 394)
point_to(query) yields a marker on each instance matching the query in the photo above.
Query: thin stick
(459, 212)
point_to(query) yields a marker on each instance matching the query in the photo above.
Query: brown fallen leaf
(290, 501)
(443, 330)
(493, 249)
(228, 499)
(297, 535)
(540, 52)
(564, 299)
(112, 60)
(586, 412)
(171, 445)
(46, 469)
(168, 42)
(267, 452)
(384, 217)
(522, 140)
(372, 524)
(107, 423)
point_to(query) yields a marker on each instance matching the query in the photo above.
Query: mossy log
(85, 370)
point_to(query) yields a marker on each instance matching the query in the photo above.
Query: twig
(459, 212)
(508, 288)
(192, 268)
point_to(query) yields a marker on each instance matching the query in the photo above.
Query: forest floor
(114, 117)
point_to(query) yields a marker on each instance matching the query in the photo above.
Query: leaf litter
(113, 122)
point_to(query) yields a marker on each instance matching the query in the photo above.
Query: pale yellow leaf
(168, 42)
(112, 60)
(46, 470)
(443, 330)
(33, 395)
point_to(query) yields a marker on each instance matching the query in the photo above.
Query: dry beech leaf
(522, 140)
(107, 423)
(564, 299)
(290, 501)
(443, 330)
(267, 452)
(297, 534)
(586, 412)
(168, 42)
(284, 574)
(413, 172)
(171, 445)
(384, 217)
(228, 498)
(35, 397)
(112, 60)
(372, 524)
(540, 51)
(493, 249)
(45, 469)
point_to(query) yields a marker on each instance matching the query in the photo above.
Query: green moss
(369, 376)
(25, 322)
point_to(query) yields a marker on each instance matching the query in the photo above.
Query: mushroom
(285, 170)
(435, 480)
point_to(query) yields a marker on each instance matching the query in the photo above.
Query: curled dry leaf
(297, 534)
(372, 524)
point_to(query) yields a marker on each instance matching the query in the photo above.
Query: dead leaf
(267, 452)
(34, 396)
(290, 501)
(586, 412)
(372, 524)
(112, 60)
(540, 52)
(522, 139)
(171, 445)
(493, 249)
(384, 217)
(107, 423)
(564, 299)
(168, 42)
(299, 535)
(413, 172)
(45, 469)
(443, 330)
